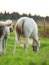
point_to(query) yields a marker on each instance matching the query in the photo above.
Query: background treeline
(43, 22)
(16, 15)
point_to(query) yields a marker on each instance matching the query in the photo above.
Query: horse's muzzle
(35, 48)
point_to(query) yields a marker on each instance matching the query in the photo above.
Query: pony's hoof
(14, 52)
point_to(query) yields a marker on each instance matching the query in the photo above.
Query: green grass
(21, 58)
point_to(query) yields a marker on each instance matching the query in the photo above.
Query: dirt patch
(22, 42)
(30, 41)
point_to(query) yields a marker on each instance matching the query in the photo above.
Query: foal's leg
(1, 51)
(1, 44)
(4, 44)
(16, 41)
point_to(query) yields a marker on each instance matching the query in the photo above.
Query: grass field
(21, 58)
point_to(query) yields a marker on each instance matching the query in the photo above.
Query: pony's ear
(8, 22)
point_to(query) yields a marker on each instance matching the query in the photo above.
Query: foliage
(16, 15)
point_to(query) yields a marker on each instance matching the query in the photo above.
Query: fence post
(44, 27)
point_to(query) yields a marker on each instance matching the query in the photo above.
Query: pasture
(21, 58)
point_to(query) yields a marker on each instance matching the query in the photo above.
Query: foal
(27, 26)
(4, 33)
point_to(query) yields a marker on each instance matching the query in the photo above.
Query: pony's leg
(1, 44)
(4, 44)
(26, 44)
(1, 50)
(16, 41)
(27, 35)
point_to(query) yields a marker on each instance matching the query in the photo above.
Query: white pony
(5, 28)
(27, 27)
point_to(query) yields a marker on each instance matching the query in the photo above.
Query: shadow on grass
(44, 63)
(44, 45)
(32, 63)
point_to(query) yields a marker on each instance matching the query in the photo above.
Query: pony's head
(36, 46)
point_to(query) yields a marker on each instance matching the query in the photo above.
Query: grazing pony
(5, 29)
(27, 27)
